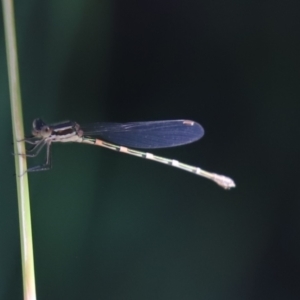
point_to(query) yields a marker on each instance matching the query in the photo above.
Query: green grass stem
(19, 147)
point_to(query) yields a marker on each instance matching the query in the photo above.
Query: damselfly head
(40, 129)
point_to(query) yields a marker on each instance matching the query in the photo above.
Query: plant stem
(19, 147)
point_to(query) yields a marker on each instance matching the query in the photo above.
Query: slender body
(119, 137)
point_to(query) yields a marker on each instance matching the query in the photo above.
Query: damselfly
(119, 136)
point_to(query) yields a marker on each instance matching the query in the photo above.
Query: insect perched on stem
(119, 136)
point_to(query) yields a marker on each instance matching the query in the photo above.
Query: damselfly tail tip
(224, 181)
(188, 122)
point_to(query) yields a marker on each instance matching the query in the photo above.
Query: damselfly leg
(35, 151)
(48, 164)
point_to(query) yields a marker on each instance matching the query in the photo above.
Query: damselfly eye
(38, 124)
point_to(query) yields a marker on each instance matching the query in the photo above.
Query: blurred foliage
(109, 226)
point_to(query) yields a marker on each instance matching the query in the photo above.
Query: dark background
(111, 226)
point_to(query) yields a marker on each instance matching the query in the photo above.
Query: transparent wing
(146, 135)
